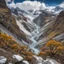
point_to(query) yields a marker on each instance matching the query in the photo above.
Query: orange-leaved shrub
(9, 44)
(52, 48)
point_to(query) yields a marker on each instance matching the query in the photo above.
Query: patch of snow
(37, 58)
(40, 60)
(3, 60)
(22, 28)
(18, 57)
(26, 62)
(29, 17)
(9, 63)
(51, 61)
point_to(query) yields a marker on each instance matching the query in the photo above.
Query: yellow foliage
(23, 47)
(54, 43)
(7, 42)
(14, 46)
(55, 46)
(29, 53)
(60, 49)
(29, 58)
(42, 53)
(52, 48)
(2, 44)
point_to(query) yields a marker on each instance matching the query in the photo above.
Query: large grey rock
(3, 60)
(18, 57)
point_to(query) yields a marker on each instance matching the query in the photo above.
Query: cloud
(35, 5)
(29, 5)
(12, 5)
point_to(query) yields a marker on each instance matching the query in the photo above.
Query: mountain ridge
(9, 21)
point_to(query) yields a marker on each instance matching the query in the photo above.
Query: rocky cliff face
(9, 22)
(1, 4)
(57, 27)
(43, 18)
(54, 30)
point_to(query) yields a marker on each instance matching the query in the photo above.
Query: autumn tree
(60, 50)
(9, 44)
(53, 45)
(42, 53)
(52, 48)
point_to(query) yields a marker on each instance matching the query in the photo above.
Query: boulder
(18, 57)
(3, 60)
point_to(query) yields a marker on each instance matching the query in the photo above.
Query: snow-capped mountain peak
(34, 8)
(61, 5)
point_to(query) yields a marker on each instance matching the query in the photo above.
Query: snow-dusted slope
(26, 12)
(22, 27)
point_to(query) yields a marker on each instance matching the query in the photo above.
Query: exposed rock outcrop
(1, 4)
(9, 22)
